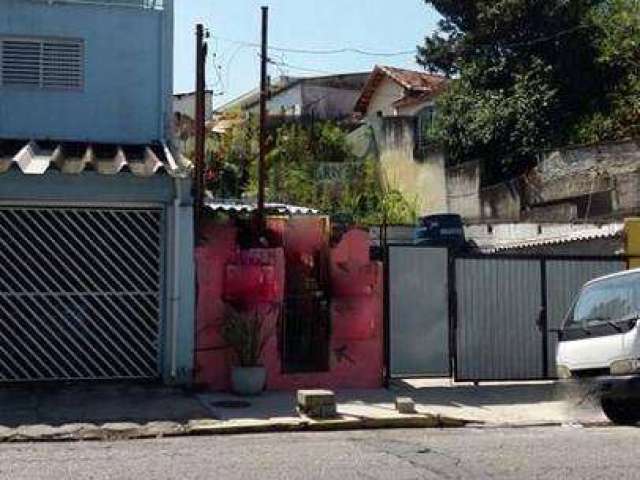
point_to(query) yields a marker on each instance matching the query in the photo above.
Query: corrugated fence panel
(565, 278)
(498, 302)
(418, 311)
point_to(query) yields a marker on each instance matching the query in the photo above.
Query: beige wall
(413, 110)
(463, 190)
(420, 180)
(387, 92)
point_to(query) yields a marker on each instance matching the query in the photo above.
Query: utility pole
(264, 94)
(201, 56)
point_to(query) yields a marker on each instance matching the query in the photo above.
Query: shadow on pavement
(57, 405)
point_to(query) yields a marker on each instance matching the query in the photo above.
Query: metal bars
(80, 293)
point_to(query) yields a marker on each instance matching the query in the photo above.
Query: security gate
(418, 312)
(507, 308)
(489, 316)
(80, 293)
(499, 323)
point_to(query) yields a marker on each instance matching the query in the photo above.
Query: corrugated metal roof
(36, 158)
(239, 207)
(571, 234)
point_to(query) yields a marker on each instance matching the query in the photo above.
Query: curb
(157, 430)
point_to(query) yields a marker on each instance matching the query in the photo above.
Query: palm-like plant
(243, 332)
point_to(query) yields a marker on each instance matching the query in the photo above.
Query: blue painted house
(96, 213)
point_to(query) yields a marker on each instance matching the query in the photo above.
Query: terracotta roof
(414, 84)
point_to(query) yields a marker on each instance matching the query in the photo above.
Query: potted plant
(243, 332)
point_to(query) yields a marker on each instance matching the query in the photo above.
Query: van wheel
(621, 411)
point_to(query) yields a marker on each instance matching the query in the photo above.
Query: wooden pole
(201, 55)
(264, 94)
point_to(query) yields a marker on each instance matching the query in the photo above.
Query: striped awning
(37, 158)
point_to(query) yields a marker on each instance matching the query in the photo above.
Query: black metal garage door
(80, 293)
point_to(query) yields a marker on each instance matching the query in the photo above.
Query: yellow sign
(632, 241)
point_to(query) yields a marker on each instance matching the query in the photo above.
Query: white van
(599, 343)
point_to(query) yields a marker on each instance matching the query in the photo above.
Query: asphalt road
(545, 453)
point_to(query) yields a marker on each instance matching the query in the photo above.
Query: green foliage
(366, 201)
(290, 166)
(533, 73)
(331, 144)
(293, 163)
(231, 158)
(618, 42)
(503, 123)
(243, 332)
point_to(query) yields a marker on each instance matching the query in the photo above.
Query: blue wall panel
(128, 69)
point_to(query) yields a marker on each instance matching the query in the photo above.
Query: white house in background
(398, 109)
(185, 104)
(329, 97)
(396, 92)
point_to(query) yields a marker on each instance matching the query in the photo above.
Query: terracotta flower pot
(247, 381)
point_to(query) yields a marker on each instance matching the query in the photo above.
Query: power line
(359, 51)
(294, 67)
(335, 51)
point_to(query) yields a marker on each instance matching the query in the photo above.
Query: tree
(618, 44)
(525, 73)
(295, 155)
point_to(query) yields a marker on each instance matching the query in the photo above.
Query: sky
(233, 68)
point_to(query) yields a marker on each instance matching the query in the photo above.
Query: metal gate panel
(418, 312)
(498, 303)
(80, 293)
(565, 278)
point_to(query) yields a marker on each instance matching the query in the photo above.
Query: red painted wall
(257, 278)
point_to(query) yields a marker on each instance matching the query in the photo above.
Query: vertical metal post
(386, 313)
(453, 313)
(544, 321)
(264, 92)
(201, 55)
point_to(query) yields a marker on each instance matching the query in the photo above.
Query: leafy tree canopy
(532, 73)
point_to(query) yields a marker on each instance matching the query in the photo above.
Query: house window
(41, 63)
(424, 128)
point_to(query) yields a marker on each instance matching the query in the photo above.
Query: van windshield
(606, 301)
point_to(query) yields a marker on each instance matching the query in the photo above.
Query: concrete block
(317, 403)
(405, 405)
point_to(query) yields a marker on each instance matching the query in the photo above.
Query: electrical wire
(335, 51)
(294, 67)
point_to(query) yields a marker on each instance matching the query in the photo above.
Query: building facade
(397, 107)
(76, 70)
(96, 213)
(328, 97)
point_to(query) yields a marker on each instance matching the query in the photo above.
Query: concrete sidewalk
(521, 403)
(498, 404)
(84, 412)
